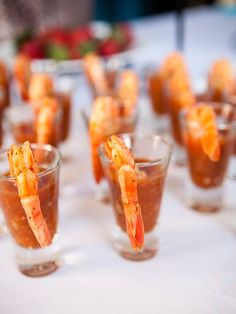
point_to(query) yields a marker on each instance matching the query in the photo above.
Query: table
(194, 271)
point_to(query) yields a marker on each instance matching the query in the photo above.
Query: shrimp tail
(135, 230)
(97, 166)
(134, 222)
(36, 220)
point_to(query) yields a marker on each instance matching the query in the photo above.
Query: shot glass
(30, 258)
(206, 187)
(152, 155)
(21, 123)
(64, 88)
(114, 126)
(158, 100)
(231, 99)
(175, 103)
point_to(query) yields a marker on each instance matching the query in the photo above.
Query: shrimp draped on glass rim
(23, 168)
(124, 163)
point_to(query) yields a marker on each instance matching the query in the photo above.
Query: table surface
(194, 271)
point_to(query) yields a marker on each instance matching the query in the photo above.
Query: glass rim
(28, 109)
(141, 135)
(45, 147)
(231, 125)
(24, 104)
(85, 114)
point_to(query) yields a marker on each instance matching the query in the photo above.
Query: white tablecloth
(195, 269)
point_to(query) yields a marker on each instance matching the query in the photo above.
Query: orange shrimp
(96, 74)
(3, 74)
(46, 115)
(41, 85)
(205, 117)
(174, 62)
(4, 86)
(221, 77)
(24, 168)
(104, 109)
(123, 161)
(22, 74)
(128, 91)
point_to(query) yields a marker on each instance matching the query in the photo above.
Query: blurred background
(18, 15)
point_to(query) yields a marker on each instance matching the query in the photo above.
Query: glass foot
(179, 156)
(122, 245)
(205, 200)
(3, 228)
(101, 193)
(38, 262)
(232, 169)
(38, 270)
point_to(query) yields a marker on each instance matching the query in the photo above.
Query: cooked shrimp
(96, 74)
(3, 74)
(46, 115)
(22, 74)
(41, 85)
(174, 62)
(24, 168)
(221, 76)
(128, 91)
(123, 161)
(104, 110)
(204, 118)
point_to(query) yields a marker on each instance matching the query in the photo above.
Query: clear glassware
(231, 99)
(30, 258)
(175, 104)
(205, 188)
(157, 97)
(152, 155)
(64, 88)
(115, 126)
(21, 123)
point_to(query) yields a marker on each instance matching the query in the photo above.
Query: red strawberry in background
(80, 35)
(56, 35)
(109, 47)
(81, 42)
(33, 49)
(57, 43)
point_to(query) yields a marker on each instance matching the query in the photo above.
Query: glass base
(3, 228)
(232, 168)
(101, 193)
(161, 123)
(122, 245)
(179, 156)
(38, 262)
(205, 200)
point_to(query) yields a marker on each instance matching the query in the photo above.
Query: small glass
(158, 100)
(152, 155)
(64, 87)
(175, 103)
(114, 126)
(231, 99)
(21, 122)
(205, 189)
(112, 67)
(30, 258)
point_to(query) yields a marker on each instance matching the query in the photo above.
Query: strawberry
(109, 47)
(56, 35)
(81, 34)
(33, 49)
